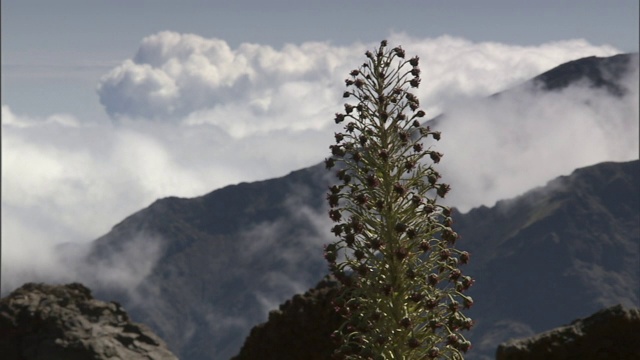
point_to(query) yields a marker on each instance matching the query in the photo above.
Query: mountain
(556, 253)
(65, 322)
(215, 265)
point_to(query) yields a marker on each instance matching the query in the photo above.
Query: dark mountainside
(554, 254)
(65, 322)
(230, 256)
(596, 71)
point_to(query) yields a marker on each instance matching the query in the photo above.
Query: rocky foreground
(65, 322)
(612, 333)
(300, 330)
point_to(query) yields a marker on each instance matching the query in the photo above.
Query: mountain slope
(556, 253)
(224, 263)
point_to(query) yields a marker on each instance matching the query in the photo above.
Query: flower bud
(400, 227)
(405, 322)
(433, 279)
(399, 52)
(335, 215)
(401, 253)
(464, 257)
(443, 189)
(329, 163)
(424, 246)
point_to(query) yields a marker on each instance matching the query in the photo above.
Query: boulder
(610, 334)
(300, 329)
(65, 322)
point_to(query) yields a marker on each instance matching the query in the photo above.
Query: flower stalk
(403, 290)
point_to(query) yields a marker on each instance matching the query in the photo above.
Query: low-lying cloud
(192, 115)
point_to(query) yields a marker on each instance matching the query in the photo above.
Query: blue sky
(49, 45)
(109, 105)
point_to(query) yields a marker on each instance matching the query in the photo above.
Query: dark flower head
(329, 163)
(467, 302)
(433, 279)
(339, 118)
(350, 127)
(464, 257)
(416, 297)
(405, 322)
(375, 244)
(414, 61)
(333, 200)
(402, 253)
(348, 108)
(424, 246)
(415, 71)
(354, 72)
(400, 227)
(362, 139)
(443, 189)
(346, 94)
(415, 82)
(436, 135)
(399, 52)
(435, 156)
(433, 352)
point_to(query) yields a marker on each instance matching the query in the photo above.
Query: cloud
(256, 88)
(192, 114)
(501, 147)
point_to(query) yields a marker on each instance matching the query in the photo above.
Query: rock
(65, 322)
(300, 329)
(610, 334)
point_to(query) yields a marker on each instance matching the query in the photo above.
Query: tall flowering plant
(403, 290)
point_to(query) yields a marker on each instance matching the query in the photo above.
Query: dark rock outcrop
(39, 321)
(300, 329)
(612, 333)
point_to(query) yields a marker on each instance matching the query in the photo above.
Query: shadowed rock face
(612, 333)
(39, 321)
(300, 329)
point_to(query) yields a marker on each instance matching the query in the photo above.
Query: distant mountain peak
(597, 72)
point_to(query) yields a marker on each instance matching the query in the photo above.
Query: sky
(109, 105)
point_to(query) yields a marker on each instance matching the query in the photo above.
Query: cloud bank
(192, 114)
